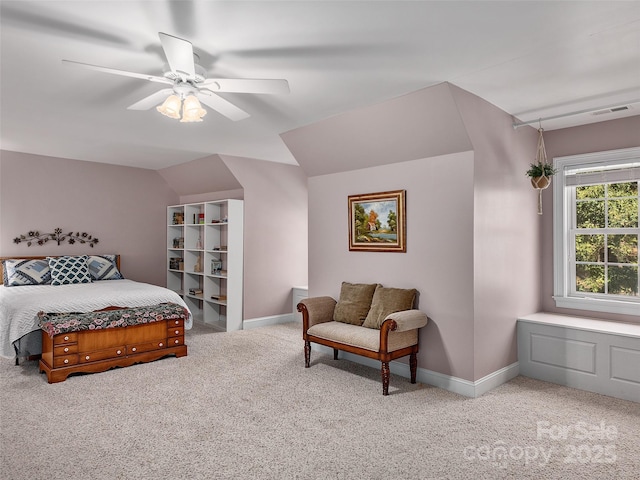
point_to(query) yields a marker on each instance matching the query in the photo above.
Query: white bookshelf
(205, 260)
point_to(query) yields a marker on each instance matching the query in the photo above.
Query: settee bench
(368, 320)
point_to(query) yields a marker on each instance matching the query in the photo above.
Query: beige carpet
(242, 406)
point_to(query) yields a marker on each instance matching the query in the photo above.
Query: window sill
(598, 305)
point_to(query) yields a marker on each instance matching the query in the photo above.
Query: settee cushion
(386, 301)
(366, 338)
(353, 305)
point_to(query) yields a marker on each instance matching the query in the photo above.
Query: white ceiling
(532, 59)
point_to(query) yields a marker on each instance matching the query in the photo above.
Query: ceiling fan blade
(179, 54)
(222, 106)
(151, 78)
(152, 100)
(246, 85)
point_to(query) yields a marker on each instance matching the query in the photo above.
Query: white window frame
(563, 209)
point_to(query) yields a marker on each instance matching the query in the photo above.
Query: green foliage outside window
(607, 261)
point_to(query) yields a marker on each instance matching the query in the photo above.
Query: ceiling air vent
(611, 110)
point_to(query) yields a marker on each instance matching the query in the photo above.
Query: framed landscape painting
(377, 222)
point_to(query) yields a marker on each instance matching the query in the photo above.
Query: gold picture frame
(377, 222)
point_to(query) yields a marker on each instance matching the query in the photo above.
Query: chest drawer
(146, 347)
(65, 360)
(175, 341)
(63, 338)
(62, 350)
(113, 352)
(175, 331)
(175, 323)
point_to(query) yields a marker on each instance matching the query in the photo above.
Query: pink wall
(275, 233)
(439, 258)
(506, 263)
(422, 124)
(124, 207)
(207, 174)
(596, 137)
(275, 223)
(473, 231)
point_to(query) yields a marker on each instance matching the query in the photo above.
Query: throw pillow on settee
(354, 303)
(386, 301)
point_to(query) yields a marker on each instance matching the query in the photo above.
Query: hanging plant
(541, 171)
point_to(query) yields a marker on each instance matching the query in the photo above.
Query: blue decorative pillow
(19, 272)
(103, 267)
(69, 270)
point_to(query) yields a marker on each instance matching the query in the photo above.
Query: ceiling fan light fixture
(192, 111)
(171, 107)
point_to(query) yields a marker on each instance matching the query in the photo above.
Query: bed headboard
(38, 257)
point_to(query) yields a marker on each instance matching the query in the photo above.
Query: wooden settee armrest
(407, 320)
(316, 310)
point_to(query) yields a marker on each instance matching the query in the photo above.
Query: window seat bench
(585, 353)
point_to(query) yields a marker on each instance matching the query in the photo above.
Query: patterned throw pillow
(103, 267)
(69, 270)
(18, 272)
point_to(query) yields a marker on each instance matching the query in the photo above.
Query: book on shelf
(195, 291)
(176, 263)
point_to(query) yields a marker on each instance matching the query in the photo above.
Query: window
(596, 209)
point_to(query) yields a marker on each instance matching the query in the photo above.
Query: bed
(95, 347)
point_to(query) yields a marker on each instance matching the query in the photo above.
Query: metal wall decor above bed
(35, 237)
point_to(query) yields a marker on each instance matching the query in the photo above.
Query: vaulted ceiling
(531, 59)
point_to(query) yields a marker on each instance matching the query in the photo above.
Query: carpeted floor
(242, 406)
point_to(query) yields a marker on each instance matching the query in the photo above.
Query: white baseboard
(429, 377)
(265, 321)
(466, 387)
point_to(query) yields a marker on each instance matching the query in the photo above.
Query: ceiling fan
(188, 82)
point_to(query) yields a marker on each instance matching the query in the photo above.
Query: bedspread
(19, 306)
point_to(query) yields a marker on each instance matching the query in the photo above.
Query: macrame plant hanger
(542, 182)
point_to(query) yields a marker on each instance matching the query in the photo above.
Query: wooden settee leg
(335, 353)
(385, 378)
(307, 353)
(413, 366)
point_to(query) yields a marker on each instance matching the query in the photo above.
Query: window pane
(623, 249)
(590, 248)
(590, 278)
(623, 280)
(591, 191)
(629, 189)
(590, 214)
(623, 213)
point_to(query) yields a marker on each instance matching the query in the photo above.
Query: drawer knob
(134, 349)
(66, 349)
(160, 344)
(119, 352)
(66, 337)
(177, 332)
(176, 341)
(177, 322)
(66, 360)
(87, 357)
